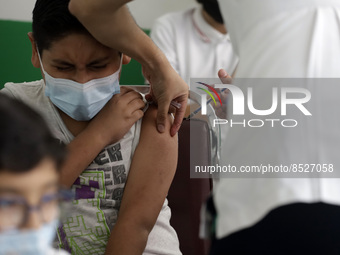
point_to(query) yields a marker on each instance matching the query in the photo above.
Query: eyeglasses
(14, 213)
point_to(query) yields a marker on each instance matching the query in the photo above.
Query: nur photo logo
(209, 93)
(242, 102)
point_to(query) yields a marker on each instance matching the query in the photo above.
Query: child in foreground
(30, 162)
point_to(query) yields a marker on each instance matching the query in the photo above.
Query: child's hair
(25, 139)
(52, 21)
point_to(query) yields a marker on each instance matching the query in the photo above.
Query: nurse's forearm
(84, 7)
(112, 24)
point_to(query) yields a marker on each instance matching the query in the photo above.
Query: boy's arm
(108, 127)
(111, 24)
(81, 152)
(151, 173)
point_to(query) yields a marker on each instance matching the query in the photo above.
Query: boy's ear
(126, 59)
(35, 58)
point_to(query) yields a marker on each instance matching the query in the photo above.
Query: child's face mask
(30, 242)
(81, 101)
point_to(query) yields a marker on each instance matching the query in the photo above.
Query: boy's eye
(64, 68)
(98, 66)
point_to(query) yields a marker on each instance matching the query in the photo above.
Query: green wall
(15, 57)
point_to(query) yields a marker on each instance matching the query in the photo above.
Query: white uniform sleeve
(163, 35)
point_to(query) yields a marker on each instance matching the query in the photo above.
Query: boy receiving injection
(128, 166)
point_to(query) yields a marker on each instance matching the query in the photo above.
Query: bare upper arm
(152, 170)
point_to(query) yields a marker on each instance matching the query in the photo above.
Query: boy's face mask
(81, 101)
(30, 242)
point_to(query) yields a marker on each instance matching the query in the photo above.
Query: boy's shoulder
(28, 92)
(24, 90)
(19, 89)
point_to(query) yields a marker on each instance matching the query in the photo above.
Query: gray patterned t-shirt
(86, 226)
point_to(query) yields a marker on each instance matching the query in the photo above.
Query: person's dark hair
(213, 9)
(25, 138)
(52, 21)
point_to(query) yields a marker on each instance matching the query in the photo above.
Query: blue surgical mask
(30, 242)
(81, 101)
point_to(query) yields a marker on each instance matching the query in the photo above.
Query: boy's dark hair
(25, 139)
(52, 21)
(213, 9)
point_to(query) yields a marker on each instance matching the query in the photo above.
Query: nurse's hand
(167, 86)
(221, 110)
(224, 76)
